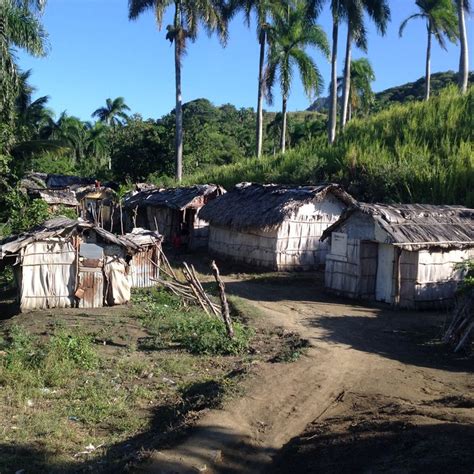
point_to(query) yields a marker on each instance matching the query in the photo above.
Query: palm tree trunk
(464, 58)
(333, 96)
(260, 95)
(428, 64)
(283, 125)
(347, 78)
(179, 105)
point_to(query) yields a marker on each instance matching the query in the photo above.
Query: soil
(374, 392)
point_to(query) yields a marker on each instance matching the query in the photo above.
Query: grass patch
(172, 323)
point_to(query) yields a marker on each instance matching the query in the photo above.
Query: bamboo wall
(294, 245)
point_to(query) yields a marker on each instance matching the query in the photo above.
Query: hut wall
(437, 277)
(143, 268)
(343, 272)
(48, 276)
(299, 245)
(251, 247)
(168, 221)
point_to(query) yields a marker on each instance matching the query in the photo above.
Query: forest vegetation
(388, 145)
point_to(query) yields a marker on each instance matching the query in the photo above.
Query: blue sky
(96, 52)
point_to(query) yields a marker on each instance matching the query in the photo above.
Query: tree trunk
(179, 106)
(259, 143)
(283, 125)
(464, 57)
(428, 64)
(333, 96)
(347, 78)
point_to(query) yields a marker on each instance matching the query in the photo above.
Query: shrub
(201, 334)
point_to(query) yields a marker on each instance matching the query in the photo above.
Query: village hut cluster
(88, 197)
(404, 255)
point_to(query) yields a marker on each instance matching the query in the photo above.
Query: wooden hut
(273, 226)
(67, 263)
(173, 212)
(404, 254)
(88, 197)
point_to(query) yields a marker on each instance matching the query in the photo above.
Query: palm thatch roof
(416, 226)
(64, 197)
(65, 227)
(175, 198)
(257, 206)
(67, 190)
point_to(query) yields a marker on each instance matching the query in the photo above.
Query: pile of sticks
(192, 291)
(461, 330)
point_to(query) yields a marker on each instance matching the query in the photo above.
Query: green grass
(416, 152)
(173, 323)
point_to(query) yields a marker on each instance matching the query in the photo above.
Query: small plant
(75, 348)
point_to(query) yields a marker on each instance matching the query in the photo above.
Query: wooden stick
(224, 304)
(200, 289)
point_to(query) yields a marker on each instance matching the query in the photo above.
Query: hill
(413, 152)
(401, 94)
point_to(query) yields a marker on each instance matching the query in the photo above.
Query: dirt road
(361, 360)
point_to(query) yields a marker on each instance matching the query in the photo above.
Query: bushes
(171, 323)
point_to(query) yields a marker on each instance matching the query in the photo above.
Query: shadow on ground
(373, 444)
(169, 425)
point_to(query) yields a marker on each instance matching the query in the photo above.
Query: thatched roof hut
(65, 262)
(404, 254)
(274, 226)
(91, 199)
(174, 212)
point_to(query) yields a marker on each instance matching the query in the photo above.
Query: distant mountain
(401, 94)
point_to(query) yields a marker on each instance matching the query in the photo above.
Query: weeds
(172, 323)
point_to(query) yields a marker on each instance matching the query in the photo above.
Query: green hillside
(401, 94)
(415, 152)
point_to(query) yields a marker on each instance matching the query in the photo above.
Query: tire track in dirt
(279, 401)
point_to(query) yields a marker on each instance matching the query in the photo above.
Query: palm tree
(379, 12)
(264, 10)
(31, 115)
(19, 28)
(289, 36)
(336, 11)
(463, 7)
(113, 113)
(361, 96)
(187, 16)
(441, 22)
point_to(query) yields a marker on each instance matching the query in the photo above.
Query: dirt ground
(375, 392)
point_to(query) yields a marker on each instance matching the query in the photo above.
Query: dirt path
(375, 353)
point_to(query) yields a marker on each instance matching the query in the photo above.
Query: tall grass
(417, 152)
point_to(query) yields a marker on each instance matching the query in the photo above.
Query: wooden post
(224, 304)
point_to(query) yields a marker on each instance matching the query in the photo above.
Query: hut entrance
(384, 282)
